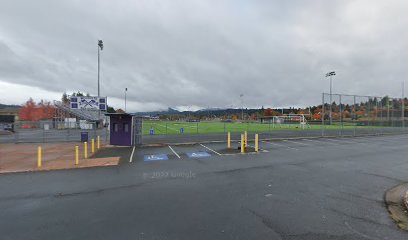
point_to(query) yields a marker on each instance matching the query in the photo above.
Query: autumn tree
(31, 111)
(268, 112)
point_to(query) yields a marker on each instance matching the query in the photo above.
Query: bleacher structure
(63, 111)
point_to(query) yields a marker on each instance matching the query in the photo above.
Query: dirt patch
(23, 157)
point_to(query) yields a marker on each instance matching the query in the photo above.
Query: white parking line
(343, 141)
(316, 141)
(296, 142)
(131, 155)
(260, 149)
(210, 149)
(174, 151)
(280, 145)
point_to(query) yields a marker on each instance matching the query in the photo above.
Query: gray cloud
(205, 53)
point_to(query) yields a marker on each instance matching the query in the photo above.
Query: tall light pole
(125, 98)
(242, 105)
(100, 48)
(330, 74)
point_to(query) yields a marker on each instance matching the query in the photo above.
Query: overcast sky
(202, 53)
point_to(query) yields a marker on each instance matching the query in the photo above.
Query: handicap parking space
(193, 151)
(148, 154)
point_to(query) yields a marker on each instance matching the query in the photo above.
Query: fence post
(355, 115)
(197, 127)
(341, 116)
(322, 114)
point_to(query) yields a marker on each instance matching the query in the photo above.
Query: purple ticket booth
(125, 129)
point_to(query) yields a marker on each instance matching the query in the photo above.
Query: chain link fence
(351, 115)
(53, 131)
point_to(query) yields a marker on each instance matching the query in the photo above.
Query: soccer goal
(290, 120)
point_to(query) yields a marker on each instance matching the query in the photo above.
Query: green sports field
(173, 127)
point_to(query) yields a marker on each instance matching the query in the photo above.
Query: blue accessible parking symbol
(198, 154)
(155, 157)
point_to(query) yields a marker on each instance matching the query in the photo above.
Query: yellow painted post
(256, 143)
(76, 155)
(85, 150)
(93, 145)
(98, 143)
(242, 143)
(246, 139)
(39, 157)
(229, 140)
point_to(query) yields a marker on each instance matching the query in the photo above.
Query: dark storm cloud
(205, 53)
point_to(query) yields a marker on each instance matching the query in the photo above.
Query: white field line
(161, 125)
(174, 151)
(131, 155)
(304, 144)
(280, 145)
(210, 149)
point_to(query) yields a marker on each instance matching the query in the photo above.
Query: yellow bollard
(76, 155)
(229, 140)
(93, 145)
(98, 142)
(246, 139)
(85, 150)
(256, 143)
(242, 143)
(39, 157)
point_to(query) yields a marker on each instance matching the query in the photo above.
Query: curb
(406, 200)
(396, 202)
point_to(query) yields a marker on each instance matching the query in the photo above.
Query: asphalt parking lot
(294, 189)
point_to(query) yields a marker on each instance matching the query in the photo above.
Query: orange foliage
(32, 111)
(268, 112)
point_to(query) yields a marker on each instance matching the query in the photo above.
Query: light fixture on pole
(330, 74)
(125, 98)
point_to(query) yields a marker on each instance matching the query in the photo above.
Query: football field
(181, 127)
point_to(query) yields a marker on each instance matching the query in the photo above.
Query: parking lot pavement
(316, 190)
(214, 150)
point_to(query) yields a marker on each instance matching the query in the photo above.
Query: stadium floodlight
(330, 74)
